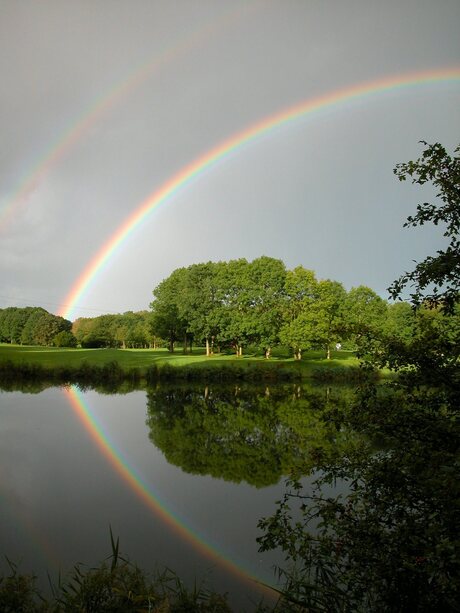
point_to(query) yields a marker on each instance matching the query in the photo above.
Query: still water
(181, 475)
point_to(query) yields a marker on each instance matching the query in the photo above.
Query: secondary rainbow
(146, 492)
(197, 167)
(101, 106)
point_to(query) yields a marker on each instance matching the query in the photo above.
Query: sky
(104, 102)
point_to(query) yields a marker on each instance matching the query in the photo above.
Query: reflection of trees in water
(32, 386)
(242, 433)
(391, 543)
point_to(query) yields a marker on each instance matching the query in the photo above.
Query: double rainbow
(82, 124)
(164, 194)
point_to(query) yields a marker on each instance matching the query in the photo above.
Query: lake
(181, 475)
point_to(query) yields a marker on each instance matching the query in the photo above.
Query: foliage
(239, 433)
(366, 313)
(127, 330)
(390, 543)
(115, 586)
(437, 278)
(300, 293)
(30, 326)
(239, 304)
(379, 529)
(19, 594)
(167, 318)
(235, 303)
(64, 339)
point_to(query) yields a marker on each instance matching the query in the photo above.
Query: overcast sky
(104, 100)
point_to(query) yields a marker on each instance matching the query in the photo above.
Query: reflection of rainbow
(84, 122)
(145, 492)
(214, 155)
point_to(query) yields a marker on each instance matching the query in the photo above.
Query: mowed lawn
(50, 357)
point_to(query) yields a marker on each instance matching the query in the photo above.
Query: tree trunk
(240, 351)
(268, 352)
(328, 354)
(207, 347)
(171, 345)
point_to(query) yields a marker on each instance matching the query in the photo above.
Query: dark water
(181, 475)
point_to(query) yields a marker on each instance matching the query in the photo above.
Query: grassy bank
(148, 365)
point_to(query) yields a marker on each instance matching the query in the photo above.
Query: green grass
(53, 357)
(134, 368)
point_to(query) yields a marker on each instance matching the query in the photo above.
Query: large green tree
(300, 293)
(365, 313)
(323, 322)
(199, 302)
(266, 282)
(167, 319)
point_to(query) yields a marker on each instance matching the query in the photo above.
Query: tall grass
(116, 585)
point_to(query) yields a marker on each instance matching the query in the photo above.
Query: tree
(399, 321)
(265, 289)
(64, 339)
(167, 320)
(437, 278)
(234, 304)
(323, 322)
(251, 302)
(300, 292)
(199, 302)
(365, 312)
(390, 543)
(13, 321)
(41, 327)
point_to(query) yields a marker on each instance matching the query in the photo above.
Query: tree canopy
(435, 279)
(31, 326)
(260, 304)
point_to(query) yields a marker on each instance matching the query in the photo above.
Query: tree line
(127, 330)
(34, 326)
(226, 306)
(230, 306)
(260, 303)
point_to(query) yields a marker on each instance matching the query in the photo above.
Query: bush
(64, 339)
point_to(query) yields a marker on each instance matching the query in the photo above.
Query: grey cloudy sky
(319, 192)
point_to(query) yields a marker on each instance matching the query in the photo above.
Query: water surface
(182, 476)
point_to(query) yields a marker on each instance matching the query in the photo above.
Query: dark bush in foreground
(115, 587)
(112, 374)
(350, 374)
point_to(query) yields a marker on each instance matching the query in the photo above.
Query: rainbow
(218, 153)
(145, 492)
(99, 108)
